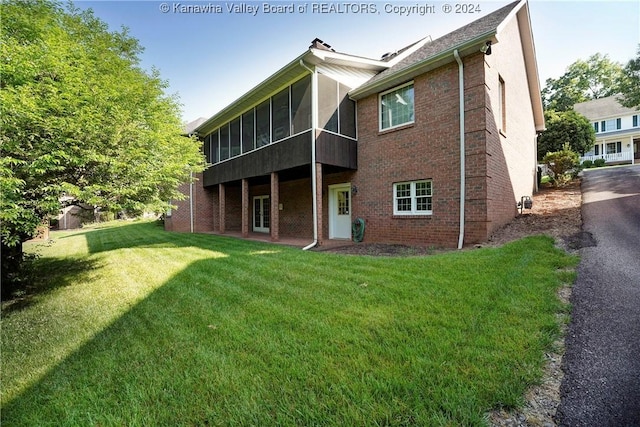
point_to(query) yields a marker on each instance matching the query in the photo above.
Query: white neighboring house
(617, 130)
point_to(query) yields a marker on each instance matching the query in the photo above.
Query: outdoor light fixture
(525, 203)
(354, 189)
(486, 49)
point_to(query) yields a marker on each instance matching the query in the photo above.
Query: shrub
(587, 164)
(560, 163)
(599, 163)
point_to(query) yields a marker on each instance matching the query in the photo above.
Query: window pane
(403, 190)
(403, 197)
(215, 146)
(266, 213)
(347, 112)
(327, 103)
(235, 137)
(397, 107)
(423, 188)
(343, 202)
(281, 127)
(403, 205)
(610, 125)
(301, 105)
(263, 121)
(248, 137)
(423, 203)
(224, 142)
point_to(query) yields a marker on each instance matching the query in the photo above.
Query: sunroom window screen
(263, 124)
(224, 142)
(281, 126)
(248, 137)
(396, 107)
(301, 105)
(235, 137)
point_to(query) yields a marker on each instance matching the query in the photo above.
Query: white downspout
(462, 147)
(314, 125)
(191, 201)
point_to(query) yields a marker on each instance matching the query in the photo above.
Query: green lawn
(131, 325)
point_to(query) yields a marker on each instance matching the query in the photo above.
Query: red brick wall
(427, 149)
(511, 154)
(233, 201)
(180, 218)
(296, 216)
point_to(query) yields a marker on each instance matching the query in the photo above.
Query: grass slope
(135, 326)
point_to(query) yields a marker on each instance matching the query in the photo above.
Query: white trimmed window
(396, 107)
(611, 124)
(412, 198)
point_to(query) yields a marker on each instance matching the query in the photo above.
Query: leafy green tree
(597, 77)
(80, 118)
(565, 128)
(630, 83)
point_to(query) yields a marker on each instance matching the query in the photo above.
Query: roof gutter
(456, 55)
(314, 125)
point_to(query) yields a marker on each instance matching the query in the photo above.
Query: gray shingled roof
(449, 42)
(602, 108)
(191, 126)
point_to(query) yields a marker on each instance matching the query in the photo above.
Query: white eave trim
(347, 60)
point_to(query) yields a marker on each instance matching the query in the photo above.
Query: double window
(413, 198)
(608, 125)
(614, 147)
(397, 107)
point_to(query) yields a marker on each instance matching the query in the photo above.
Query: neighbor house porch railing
(625, 156)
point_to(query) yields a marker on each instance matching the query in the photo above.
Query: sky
(212, 56)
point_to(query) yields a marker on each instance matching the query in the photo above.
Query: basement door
(261, 214)
(340, 211)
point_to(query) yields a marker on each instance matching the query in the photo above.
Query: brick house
(332, 139)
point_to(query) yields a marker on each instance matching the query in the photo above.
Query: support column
(245, 208)
(274, 224)
(319, 204)
(223, 208)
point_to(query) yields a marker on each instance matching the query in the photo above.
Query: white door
(261, 214)
(340, 211)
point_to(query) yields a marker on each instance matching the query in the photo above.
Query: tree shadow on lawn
(44, 275)
(151, 234)
(166, 361)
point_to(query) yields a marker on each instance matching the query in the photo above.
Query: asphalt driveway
(602, 360)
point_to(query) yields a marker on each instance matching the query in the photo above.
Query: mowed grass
(132, 325)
